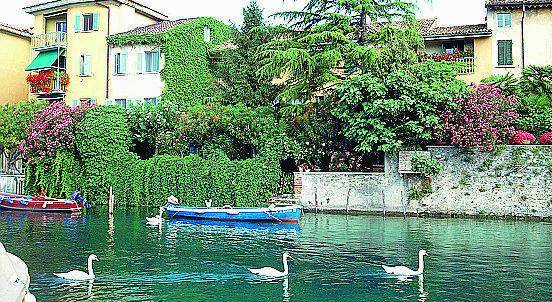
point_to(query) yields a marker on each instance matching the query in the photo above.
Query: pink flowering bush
(523, 138)
(52, 130)
(546, 138)
(482, 120)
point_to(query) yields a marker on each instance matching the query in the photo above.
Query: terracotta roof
(491, 3)
(15, 30)
(35, 6)
(158, 27)
(459, 30)
(429, 30)
(425, 25)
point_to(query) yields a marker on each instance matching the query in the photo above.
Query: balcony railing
(55, 83)
(469, 65)
(49, 40)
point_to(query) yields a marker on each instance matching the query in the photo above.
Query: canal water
(337, 258)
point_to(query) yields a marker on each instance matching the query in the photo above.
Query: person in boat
(208, 203)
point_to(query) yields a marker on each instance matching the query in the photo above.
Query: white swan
(272, 272)
(157, 219)
(405, 271)
(78, 275)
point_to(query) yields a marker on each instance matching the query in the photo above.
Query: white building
(134, 70)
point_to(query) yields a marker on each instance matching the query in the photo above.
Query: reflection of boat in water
(37, 217)
(240, 226)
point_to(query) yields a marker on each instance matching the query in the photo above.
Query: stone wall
(514, 181)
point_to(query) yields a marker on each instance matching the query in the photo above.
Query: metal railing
(52, 39)
(469, 65)
(54, 86)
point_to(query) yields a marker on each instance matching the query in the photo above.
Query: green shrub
(103, 141)
(425, 165)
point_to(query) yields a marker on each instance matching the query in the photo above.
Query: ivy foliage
(186, 69)
(103, 140)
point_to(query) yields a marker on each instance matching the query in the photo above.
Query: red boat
(42, 204)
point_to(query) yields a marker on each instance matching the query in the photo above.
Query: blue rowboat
(290, 213)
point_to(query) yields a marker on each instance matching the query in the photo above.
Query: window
(453, 46)
(505, 53)
(152, 61)
(207, 34)
(88, 101)
(120, 63)
(504, 19)
(85, 68)
(152, 101)
(123, 103)
(61, 26)
(88, 24)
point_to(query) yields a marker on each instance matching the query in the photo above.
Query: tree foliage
(400, 109)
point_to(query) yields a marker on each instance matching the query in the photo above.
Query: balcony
(48, 82)
(50, 40)
(465, 59)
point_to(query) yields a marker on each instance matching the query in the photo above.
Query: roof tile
(158, 27)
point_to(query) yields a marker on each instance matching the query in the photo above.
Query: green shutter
(123, 63)
(78, 23)
(95, 21)
(156, 62)
(87, 65)
(501, 60)
(139, 60)
(508, 53)
(507, 20)
(148, 62)
(74, 102)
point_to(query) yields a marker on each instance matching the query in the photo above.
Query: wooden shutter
(123, 63)
(501, 60)
(139, 60)
(508, 53)
(78, 23)
(87, 65)
(156, 61)
(95, 21)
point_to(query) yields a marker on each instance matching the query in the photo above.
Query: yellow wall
(538, 38)
(483, 56)
(51, 23)
(123, 18)
(87, 43)
(14, 57)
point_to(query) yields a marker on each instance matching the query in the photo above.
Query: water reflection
(423, 293)
(285, 229)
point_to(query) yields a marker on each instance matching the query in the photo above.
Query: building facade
(70, 48)
(14, 57)
(135, 67)
(516, 34)
(522, 34)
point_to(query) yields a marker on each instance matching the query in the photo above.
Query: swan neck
(286, 268)
(420, 263)
(90, 270)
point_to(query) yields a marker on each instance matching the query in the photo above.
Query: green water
(337, 258)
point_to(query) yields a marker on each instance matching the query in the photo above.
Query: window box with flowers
(48, 81)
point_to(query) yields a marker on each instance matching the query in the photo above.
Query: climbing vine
(186, 71)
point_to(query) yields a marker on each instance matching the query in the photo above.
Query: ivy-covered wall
(103, 141)
(186, 72)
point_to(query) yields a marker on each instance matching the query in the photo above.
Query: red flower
(523, 138)
(546, 138)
